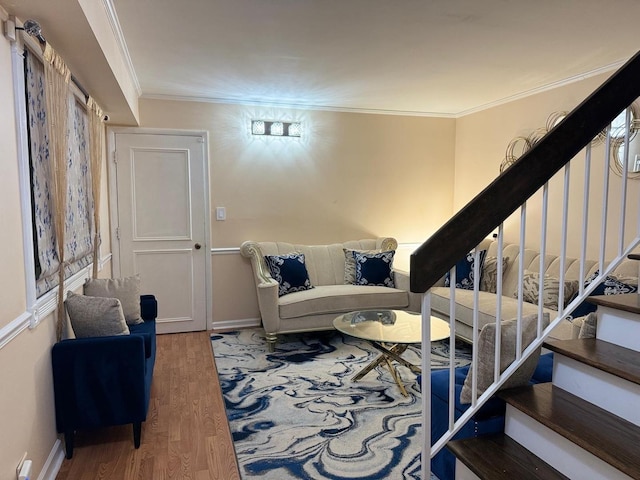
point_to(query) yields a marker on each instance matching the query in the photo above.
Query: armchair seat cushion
(340, 298)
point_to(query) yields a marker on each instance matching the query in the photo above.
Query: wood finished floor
(186, 435)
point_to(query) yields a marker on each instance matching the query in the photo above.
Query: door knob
(198, 246)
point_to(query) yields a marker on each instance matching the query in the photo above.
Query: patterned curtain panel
(79, 205)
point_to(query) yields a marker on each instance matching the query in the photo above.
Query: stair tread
(499, 457)
(608, 357)
(628, 302)
(603, 434)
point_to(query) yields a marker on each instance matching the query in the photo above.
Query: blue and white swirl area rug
(296, 413)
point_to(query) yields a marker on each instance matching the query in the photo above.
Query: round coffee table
(390, 332)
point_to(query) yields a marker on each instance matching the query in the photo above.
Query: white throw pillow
(127, 290)
(95, 316)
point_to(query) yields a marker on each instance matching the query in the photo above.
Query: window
(79, 228)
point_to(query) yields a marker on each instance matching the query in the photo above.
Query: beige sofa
(316, 308)
(627, 271)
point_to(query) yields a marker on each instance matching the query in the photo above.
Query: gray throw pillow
(486, 355)
(588, 327)
(127, 290)
(95, 316)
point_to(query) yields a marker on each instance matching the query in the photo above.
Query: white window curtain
(78, 220)
(96, 129)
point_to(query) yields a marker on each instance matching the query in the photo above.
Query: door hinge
(115, 158)
(118, 233)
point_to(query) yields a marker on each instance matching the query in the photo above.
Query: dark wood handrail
(509, 191)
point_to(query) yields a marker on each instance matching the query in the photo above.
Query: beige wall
(481, 141)
(351, 176)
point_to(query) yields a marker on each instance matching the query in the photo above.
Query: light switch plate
(221, 213)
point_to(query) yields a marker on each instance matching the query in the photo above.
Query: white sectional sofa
(627, 271)
(316, 308)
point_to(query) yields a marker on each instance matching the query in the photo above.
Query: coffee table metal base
(394, 352)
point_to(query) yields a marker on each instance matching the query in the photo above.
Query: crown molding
(463, 113)
(122, 44)
(296, 106)
(544, 88)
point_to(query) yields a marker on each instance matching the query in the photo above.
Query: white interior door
(161, 225)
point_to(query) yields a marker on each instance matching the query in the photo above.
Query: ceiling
(429, 57)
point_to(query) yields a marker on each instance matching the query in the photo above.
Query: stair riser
(557, 451)
(463, 472)
(607, 391)
(619, 327)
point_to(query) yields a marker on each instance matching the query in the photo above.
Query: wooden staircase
(585, 425)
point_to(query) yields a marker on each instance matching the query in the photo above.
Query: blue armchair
(105, 381)
(488, 420)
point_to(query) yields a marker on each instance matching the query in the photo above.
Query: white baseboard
(54, 461)
(236, 324)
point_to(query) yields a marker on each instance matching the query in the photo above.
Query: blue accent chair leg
(137, 434)
(68, 443)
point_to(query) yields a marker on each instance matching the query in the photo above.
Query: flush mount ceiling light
(276, 129)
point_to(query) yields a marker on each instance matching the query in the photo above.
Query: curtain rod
(34, 31)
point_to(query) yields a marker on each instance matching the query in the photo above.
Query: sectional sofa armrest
(402, 282)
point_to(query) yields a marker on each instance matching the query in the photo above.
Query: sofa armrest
(99, 381)
(268, 304)
(252, 251)
(402, 282)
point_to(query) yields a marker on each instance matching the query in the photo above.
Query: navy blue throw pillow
(374, 268)
(464, 271)
(290, 272)
(608, 286)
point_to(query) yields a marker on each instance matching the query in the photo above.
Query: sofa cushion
(95, 316)
(290, 272)
(374, 268)
(127, 290)
(487, 309)
(550, 292)
(465, 270)
(486, 355)
(340, 299)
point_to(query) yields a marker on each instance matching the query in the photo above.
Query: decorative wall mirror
(554, 119)
(628, 118)
(516, 148)
(617, 131)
